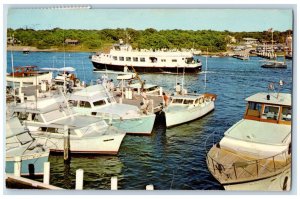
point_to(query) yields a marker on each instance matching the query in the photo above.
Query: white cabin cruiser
(95, 100)
(153, 61)
(49, 119)
(187, 107)
(31, 152)
(255, 153)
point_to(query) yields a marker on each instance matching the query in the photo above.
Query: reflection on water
(170, 158)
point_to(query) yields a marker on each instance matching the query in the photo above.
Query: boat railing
(244, 169)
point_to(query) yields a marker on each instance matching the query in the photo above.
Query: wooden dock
(15, 182)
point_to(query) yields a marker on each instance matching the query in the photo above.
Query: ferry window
(136, 59)
(286, 113)
(99, 103)
(197, 101)
(178, 101)
(115, 58)
(142, 59)
(84, 104)
(163, 60)
(128, 58)
(254, 109)
(270, 112)
(174, 60)
(188, 101)
(121, 58)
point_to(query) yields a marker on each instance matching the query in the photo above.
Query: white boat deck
(259, 132)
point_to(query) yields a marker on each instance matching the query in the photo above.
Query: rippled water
(173, 158)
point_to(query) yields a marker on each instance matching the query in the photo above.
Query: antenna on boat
(182, 82)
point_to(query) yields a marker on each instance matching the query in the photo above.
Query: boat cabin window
(115, 58)
(128, 58)
(201, 100)
(99, 103)
(135, 59)
(142, 59)
(197, 101)
(177, 101)
(121, 58)
(49, 129)
(73, 102)
(286, 114)
(153, 59)
(84, 104)
(270, 112)
(174, 60)
(163, 60)
(186, 101)
(254, 109)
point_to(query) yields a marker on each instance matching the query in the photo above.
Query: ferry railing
(247, 169)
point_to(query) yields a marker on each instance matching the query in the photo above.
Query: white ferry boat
(255, 153)
(151, 61)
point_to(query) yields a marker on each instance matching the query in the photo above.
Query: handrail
(263, 166)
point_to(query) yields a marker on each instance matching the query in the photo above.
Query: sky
(187, 19)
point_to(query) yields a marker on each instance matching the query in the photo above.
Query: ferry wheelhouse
(255, 153)
(151, 61)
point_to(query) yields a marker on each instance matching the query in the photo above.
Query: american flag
(270, 30)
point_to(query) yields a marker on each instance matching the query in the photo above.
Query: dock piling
(150, 187)
(46, 178)
(114, 183)
(66, 143)
(79, 179)
(17, 166)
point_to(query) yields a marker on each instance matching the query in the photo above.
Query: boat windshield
(188, 101)
(96, 128)
(270, 112)
(254, 109)
(286, 113)
(99, 103)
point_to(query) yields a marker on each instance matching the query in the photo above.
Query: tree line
(149, 38)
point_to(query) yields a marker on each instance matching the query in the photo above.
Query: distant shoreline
(35, 49)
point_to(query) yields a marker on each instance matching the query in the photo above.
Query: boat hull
(280, 182)
(139, 126)
(179, 117)
(274, 66)
(105, 144)
(37, 160)
(149, 69)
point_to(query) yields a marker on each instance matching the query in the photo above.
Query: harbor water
(170, 159)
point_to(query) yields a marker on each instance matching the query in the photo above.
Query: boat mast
(12, 69)
(205, 70)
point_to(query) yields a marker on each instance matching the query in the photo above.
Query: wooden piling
(17, 166)
(150, 187)
(46, 178)
(79, 179)
(114, 183)
(66, 143)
